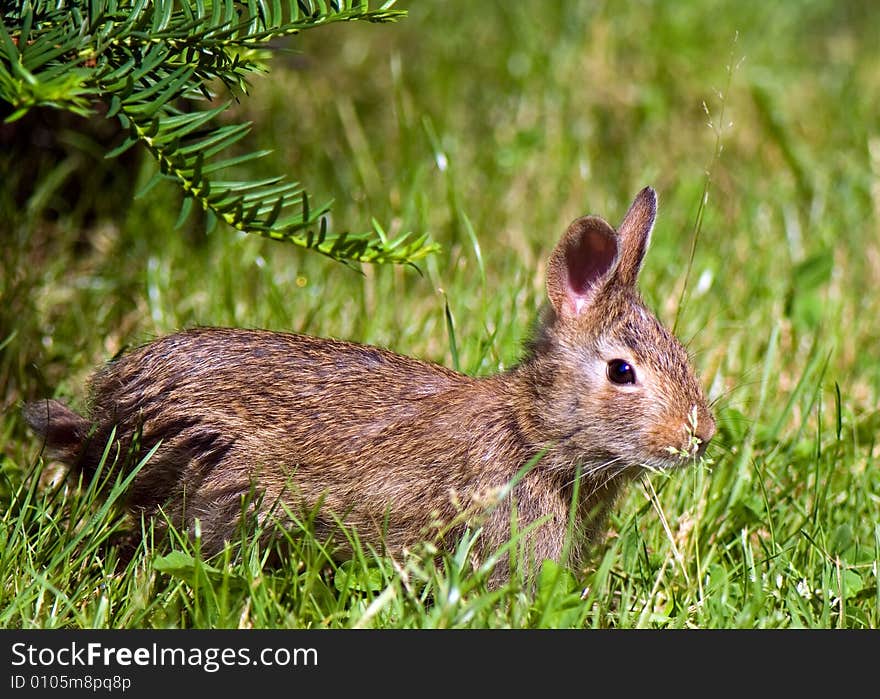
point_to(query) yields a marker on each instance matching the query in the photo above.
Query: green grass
(492, 126)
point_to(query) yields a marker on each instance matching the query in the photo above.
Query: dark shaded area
(53, 165)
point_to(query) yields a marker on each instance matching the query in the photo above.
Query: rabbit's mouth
(690, 451)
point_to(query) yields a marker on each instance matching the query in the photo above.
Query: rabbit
(399, 449)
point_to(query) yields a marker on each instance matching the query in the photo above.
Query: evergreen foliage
(167, 69)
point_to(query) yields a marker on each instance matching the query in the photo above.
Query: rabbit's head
(616, 387)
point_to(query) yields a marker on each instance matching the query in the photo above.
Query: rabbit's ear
(582, 259)
(635, 234)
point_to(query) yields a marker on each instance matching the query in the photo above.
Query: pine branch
(155, 64)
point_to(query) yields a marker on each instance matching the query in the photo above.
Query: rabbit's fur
(400, 449)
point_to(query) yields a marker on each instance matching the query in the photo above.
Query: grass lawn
(491, 126)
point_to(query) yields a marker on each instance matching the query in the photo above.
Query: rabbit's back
(300, 420)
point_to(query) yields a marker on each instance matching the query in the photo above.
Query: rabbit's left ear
(582, 261)
(634, 235)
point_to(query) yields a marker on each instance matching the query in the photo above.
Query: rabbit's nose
(705, 430)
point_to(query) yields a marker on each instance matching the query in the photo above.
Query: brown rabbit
(397, 448)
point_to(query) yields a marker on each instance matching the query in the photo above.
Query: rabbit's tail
(64, 431)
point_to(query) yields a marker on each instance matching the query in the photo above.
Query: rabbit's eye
(620, 371)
